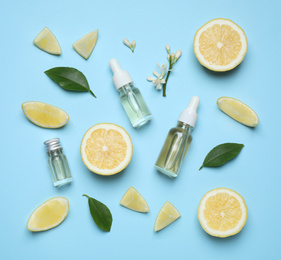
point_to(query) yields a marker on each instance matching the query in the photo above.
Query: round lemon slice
(222, 212)
(46, 41)
(220, 45)
(48, 215)
(133, 200)
(86, 44)
(45, 115)
(166, 216)
(106, 149)
(238, 111)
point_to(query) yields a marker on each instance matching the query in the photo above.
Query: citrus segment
(222, 212)
(44, 115)
(86, 44)
(133, 200)
(46, 41)
(48, 215)
(106, 149)
(220, 45)
(167, 215)
(238, 111)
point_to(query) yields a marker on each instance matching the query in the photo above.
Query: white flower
(130, 45)
(178, 54)
(158, 83)
(168, 48)
(162, 69)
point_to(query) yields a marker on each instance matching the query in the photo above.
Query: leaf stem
(166, 80)
(92, 93)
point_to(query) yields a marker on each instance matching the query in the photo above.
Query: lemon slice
(238, 111)
(220, 45)
(44, 115)
(222, 212)
(86, 44)
(106, 149)
(167, 215)
(46, 41)
(48, 215)
(133, 200)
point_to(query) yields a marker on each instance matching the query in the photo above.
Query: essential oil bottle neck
(184, 126)
(126, 88)
(55, 152)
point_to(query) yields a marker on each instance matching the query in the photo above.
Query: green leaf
(69, 79)
(100, 214)
(221, 154)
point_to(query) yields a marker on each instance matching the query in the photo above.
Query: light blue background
(25, 179)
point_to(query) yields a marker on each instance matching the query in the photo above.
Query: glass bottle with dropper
(131, 98)
(178, 140)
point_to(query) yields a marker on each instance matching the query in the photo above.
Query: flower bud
(126, 42)
(168, 48)
(178, 54)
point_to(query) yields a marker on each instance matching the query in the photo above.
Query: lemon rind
(231, 232)
(219, 68)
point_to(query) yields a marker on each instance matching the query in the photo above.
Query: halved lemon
(222, 212)
(133, 200)
(86, 44)
(220, 45)
(166, 216)
(106, 149)
(48, 215)
(238, 111)
(44, 115)
(46, 41)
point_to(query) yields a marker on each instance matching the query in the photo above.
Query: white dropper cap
(120, 77)
(189, 115)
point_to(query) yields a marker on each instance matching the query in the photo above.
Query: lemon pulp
(46, 41)
(220, 45)
(222, 212)
(45, 115)
(166, 216)
(106, 149)
(48, 215)
(133, 200)
(86, 44)
(238, 111)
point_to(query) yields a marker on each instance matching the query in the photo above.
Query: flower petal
(150, 78)
(156, 74)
